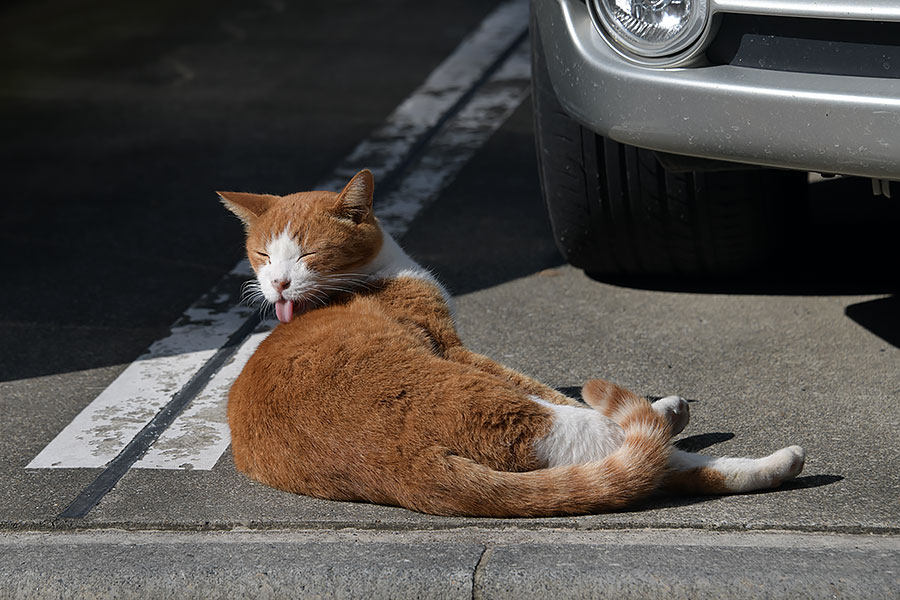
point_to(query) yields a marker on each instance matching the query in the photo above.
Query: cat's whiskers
(317, 297)
(251, 293)
(335, 288)
(249, 286)
(252, 298)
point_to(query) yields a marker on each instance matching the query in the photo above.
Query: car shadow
(843, 244)
(880, 316)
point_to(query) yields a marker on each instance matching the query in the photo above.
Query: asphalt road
(118, 121)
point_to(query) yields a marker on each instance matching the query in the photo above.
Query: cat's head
(307, 246)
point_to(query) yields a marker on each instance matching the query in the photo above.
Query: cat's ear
(355, 202)
(247, 206)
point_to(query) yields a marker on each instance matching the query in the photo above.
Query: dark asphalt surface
(119, 121)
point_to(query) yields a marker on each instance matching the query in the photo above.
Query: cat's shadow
(670, 500)
(696, 443)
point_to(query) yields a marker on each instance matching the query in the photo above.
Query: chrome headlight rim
(680, 49)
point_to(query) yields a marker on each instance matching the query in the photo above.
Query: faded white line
(457, 141)
(197, 438)
(387, 146)
(100, 431)
(200, 435)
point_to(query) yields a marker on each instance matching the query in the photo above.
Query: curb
(464, 563)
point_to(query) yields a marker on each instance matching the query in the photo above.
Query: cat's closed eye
(304, 255)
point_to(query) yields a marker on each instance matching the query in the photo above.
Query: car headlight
(652, 28)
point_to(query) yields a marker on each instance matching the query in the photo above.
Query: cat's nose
(281, 284)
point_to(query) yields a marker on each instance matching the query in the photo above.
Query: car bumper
(810, 122)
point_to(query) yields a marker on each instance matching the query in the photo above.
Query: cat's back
(336, 359)
(327, 345)
(321, 393)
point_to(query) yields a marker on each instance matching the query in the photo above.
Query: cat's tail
(454, 485)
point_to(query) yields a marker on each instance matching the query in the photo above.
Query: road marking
(106, 425)
(412, 122)
(457, 142)
(199, 436)
(88, 498)
(422, 145)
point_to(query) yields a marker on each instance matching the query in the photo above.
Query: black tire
(615, 209)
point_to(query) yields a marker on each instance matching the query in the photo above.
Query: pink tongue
(284, 310)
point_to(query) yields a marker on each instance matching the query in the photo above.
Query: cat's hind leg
(698, 474)
(675, 409)
(521, 382)
(608, 397)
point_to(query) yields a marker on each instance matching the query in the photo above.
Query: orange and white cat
(365, 392)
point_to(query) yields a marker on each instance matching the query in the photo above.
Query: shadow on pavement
(696, 443)
(810, 481)
(880, 316)
(667, 500)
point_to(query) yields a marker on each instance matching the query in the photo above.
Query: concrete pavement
(463, 563)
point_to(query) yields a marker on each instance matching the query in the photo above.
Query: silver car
(671, 133)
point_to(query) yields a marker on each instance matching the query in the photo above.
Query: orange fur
(700, 480)
(372, 396)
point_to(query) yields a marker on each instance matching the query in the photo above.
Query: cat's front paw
(675, 410)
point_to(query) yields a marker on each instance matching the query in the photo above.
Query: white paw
(785, 464)
(675, 409)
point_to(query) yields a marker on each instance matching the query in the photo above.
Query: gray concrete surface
(462, 563)
(112, 158)
(666, 568)
(166, 566)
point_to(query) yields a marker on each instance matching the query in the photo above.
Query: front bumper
(810, 122)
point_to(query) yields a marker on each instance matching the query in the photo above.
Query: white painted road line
(100, 431)
(198, 437)
(457, 142)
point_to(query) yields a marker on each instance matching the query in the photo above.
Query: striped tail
(459, 486)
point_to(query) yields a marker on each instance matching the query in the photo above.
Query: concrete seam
(53, 525)
(478, 573)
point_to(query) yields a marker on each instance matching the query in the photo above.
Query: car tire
(616, 209)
